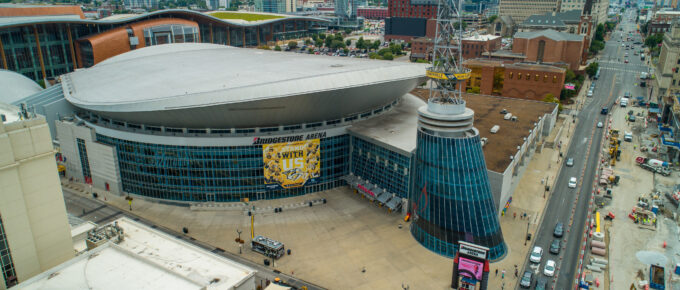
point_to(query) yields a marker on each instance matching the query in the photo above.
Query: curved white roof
(191, 76)
(16, 86)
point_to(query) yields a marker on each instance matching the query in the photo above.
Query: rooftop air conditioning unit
(495, 129)
(508, 116)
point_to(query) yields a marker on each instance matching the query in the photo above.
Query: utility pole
(527, 236)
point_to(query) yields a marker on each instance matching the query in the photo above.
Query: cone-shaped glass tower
(453, 200)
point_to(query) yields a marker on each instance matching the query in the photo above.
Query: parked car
(526, 279)
(572, 182)
(558, 232)
(549, 269)
(600, 125)
(570, 162)
(555, 247)
(631, 118)
(536, 255)
(590, 93)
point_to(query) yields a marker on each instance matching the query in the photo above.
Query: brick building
(550, 46)
(473, 47)
(372, 12)
(518, 80)
(408, 19)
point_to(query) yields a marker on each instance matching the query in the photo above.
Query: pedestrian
(503, 274)
(496, 272)
(516, 273)
(525, 216)
(514, 215)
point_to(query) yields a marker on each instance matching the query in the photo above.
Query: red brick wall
(373, 12)
(403, 8)
(568, 52)
(474, 49)
(534, 88)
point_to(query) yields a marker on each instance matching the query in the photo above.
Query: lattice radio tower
(447, 70)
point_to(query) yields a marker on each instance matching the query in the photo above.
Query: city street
(568, 205)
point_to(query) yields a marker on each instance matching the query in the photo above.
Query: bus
(597, 74)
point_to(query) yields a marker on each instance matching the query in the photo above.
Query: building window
(545, 78)
(6, 264)
(536, 77)
(519, 76)
(84, 162)
(554, 79)
(528, 76)
(511, 73)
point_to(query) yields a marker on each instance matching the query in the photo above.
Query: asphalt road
(93, 210)
(616, 78)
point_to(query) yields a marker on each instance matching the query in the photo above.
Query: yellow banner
(443, 76)
(292, 164)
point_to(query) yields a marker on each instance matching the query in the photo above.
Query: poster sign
(291, 164)
(470, 268)
(569, 86)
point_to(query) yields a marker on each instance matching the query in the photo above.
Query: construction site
(634, 220)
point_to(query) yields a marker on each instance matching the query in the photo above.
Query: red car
(626, 61)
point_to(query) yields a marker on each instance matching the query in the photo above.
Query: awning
(654, 110)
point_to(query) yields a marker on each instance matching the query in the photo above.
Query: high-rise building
(410, 19)
(148, 4)
(667, 72)
(34, 230)
(599, 8)
(346, 9)
(217, 4)
(275, 6)
(521, 9)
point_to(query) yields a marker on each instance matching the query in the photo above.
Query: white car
(549, 269)
(536, 255)
(590, 93)
(572, 182)
(600, 125)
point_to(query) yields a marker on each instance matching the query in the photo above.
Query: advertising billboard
(470, 268)
(291, 164)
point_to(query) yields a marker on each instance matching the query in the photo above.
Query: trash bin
(288, 252)
(266, 262)
(528, 237)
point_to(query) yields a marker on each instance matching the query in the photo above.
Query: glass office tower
(452, 200)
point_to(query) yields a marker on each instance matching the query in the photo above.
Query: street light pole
(239, 231)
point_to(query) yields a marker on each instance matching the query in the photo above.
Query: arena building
(68, 41)
(203, 123)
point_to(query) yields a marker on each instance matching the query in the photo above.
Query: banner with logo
(291, 164)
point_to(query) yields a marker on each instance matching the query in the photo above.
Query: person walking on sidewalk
(514, 215)
(503, 274)
(496, 272)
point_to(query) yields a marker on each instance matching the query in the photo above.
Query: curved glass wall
(222, 174)
(452, 199)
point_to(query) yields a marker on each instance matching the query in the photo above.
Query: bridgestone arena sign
(473, 250)
(288, 139)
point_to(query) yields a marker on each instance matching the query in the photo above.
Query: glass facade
(172, 33)
(220, 174)
(452, 199)
(6, 263)
(84, 161)
(381, 166)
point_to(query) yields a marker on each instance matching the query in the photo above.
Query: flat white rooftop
(145, 259)
(483, 37)
(396, 129)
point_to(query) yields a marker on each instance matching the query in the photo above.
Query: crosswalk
(635, 70)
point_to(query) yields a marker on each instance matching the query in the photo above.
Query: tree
(599, 32)
(318, 42)
(375, 44)
(550, 98)
(345, 50)
(348, 42)
(457, 23)
(492, 18)
(292, 44)
(384, 51)
(395, 48)
(596, 46)
(360, 44)
(308, 41)
(388, 56)
(337, 44)
(591, 69)
(653, 41)
(348, 31)
(322, 36)
(310, 50)
(329, 40)
(277, 48)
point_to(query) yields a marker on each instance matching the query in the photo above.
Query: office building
(519, 10)
(34, 232)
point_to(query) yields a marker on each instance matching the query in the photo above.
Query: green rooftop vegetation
(244, 16)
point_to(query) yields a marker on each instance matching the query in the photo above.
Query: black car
(526, 280)
(555, 247)
(559, 230)
(541, 284)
